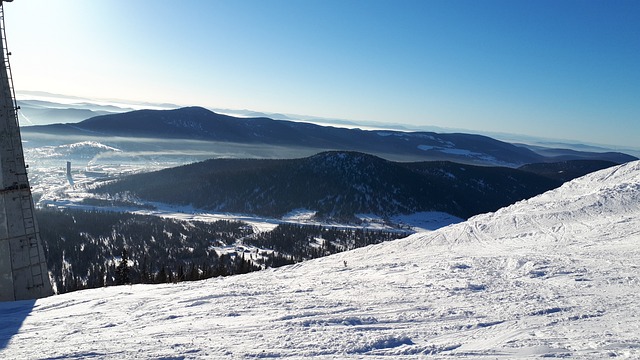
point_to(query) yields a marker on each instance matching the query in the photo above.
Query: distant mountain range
(338, 185)
(40, 112)
(202, 124)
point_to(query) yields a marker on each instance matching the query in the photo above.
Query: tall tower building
(23, 269)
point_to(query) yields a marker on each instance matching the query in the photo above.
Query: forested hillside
(567, 170)
(88, 249)
(336, 184)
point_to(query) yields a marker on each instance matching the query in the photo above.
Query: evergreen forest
(90, 249)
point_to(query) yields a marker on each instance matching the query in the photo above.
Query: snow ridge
(614, 191)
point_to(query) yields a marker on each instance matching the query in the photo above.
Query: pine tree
(145, 274)
(122, 271)
(162, 276)
(181, 275)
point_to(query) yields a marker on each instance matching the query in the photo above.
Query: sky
(556, 69)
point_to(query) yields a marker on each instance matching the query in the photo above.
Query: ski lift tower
(23, 268)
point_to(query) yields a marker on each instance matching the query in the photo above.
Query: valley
(267, 185)
(177, 189)
(94, 163)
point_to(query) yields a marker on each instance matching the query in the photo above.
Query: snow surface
(553, 276)
(426, 221)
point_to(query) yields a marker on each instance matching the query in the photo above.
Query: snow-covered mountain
(554, 276)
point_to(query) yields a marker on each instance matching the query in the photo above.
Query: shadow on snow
(12, 315)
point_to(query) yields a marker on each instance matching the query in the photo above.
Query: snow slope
(554, 276)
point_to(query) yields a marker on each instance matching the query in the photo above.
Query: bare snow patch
(426, 221)
(300, 215)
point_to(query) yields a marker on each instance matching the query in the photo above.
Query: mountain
(39, 112)
(555, 276)
(336, 184)
(567, 170)
(197, 123)
(585, 153)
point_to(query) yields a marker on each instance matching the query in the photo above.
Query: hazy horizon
(509, 137)
(559, 70)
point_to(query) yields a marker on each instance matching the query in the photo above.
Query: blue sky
(556, 69)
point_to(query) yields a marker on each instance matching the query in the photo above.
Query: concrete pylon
(23, 268)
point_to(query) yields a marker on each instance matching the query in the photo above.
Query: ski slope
(554, 276)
